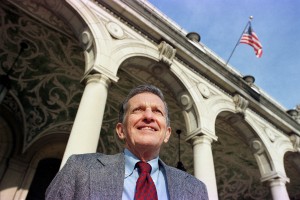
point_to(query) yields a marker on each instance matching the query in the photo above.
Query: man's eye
(137, 110)
(158, 111)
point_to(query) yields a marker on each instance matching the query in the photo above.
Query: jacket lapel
(176, 183)
(173, 183)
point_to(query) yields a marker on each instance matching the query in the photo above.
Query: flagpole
(250, 18)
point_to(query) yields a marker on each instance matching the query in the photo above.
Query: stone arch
(89, 29)
(130, 49)
(269, 154)
(11, 137)
(137, 70)
(63, 128)
(292, 162)
(236, 113)
(216, 105)
(6, 144)
(49, 146)
(238, 148)
(227, 117)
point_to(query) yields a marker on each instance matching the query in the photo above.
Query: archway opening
(237, 171)
(292, 169)
(45, 172)
(133, 72)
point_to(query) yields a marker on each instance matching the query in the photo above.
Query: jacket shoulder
(88, 160)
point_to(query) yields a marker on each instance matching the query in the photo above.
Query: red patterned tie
(145, 188)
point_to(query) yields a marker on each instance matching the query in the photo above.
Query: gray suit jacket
(99, 176)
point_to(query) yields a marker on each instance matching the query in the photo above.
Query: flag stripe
(249, 37)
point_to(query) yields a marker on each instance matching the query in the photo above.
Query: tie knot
(143, 167)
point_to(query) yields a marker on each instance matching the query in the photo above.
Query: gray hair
(138, 90)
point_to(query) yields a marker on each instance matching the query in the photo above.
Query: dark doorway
(45, 172)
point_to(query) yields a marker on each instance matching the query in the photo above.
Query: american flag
(249, 37)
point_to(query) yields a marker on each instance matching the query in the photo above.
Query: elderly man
(137, 173)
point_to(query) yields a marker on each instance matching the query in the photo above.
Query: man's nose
(148, 114)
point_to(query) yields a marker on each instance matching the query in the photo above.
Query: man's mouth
(147, 128)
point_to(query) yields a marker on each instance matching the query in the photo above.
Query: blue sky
(220, 23)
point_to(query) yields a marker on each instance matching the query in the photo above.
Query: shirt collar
(131, 160)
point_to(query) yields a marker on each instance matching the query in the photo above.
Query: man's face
(145, 126)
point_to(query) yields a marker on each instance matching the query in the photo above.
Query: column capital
(278, 188)
(199, 133)
(275, 177)
(96, 78)
(278, 181)
(200, 139)
(97, 69)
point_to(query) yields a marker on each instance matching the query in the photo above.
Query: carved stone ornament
(87, 39)
(257, 146)
(241, 104)
(296, 142)
(186, 101)
(166, 53)
(271, 135)
(204, 90)
(115, 30)
(298, 116)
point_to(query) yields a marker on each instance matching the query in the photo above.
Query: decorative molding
(295, 139)
(186, 101)
(166, 53)
(271, 135)
(274, 175)
(257, 146)
(204, 90)
(297, 118)
(278, 182)
(96, 78)
(115, 30)
(241, 104)
(87, 39)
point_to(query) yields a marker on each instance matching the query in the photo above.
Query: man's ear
(120, 131)
(168, 134)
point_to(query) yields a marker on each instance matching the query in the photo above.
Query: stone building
(66, 66)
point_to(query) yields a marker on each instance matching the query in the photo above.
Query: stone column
(278, 189)
(85, 132)
(204, 164)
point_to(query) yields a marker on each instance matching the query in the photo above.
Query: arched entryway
(45, 172)
(237, 171)
(140, 70)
